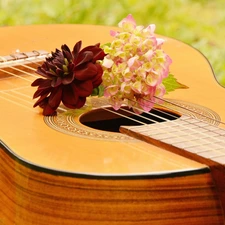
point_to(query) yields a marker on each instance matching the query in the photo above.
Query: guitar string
(143, 150)
(64, 109)
(23, 71)
(17, 103)
(162, 118)
(185, 133)
(179, 106)
(219, 154)
(17, 76)
(195, 144)
(37, 76)
(151, 101)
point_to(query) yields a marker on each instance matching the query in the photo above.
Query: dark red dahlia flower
(69, 77)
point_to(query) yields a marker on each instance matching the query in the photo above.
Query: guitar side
(35, 195)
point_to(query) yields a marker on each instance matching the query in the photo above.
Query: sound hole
(109, 121)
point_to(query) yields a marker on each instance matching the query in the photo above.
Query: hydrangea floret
(134, 67)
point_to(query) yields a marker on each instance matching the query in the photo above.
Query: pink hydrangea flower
(135, 66)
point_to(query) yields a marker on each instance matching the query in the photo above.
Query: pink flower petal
(128, 20)
(133, 63)
(113, 33)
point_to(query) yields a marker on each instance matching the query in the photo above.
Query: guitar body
(56, 170)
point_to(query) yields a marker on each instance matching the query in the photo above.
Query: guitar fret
(219, 155)
(210, 133)
(185, 145)
(220, 144)
(209, 127)
(220, 131)
(163, 136)
(189, 134)
(219, 159)
(199, 148)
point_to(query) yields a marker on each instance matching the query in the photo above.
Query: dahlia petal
(69, 96)
(43, 103)
(84, 88)
(48, 110)
(91, 48)
(37, 82)
(54, 54)
(42, 72)
(68, 79)
(98, 53)
(41, 92)
(51, 74)
(56, 82)
(59, 60)
(76, 50)
(42, 83)
(59, 72)
(84, 57)
(81, 101)
(42, 99)
(58, 64)
(66, 52)
(55, 97)
(97, 79)
(86, 73)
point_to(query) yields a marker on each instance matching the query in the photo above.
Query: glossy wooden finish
(48, 177)
(39, 197)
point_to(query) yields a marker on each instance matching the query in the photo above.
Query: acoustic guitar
(92, 167)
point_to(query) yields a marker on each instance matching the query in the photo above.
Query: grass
(199, 23)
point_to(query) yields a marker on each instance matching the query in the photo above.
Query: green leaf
(106, 44)
(98, 91)
(171, 84)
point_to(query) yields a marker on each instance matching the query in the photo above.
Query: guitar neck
(198, 139)
(191, 138)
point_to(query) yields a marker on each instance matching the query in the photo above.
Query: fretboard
(187, 134)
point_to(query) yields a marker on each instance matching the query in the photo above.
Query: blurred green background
(199, 23)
